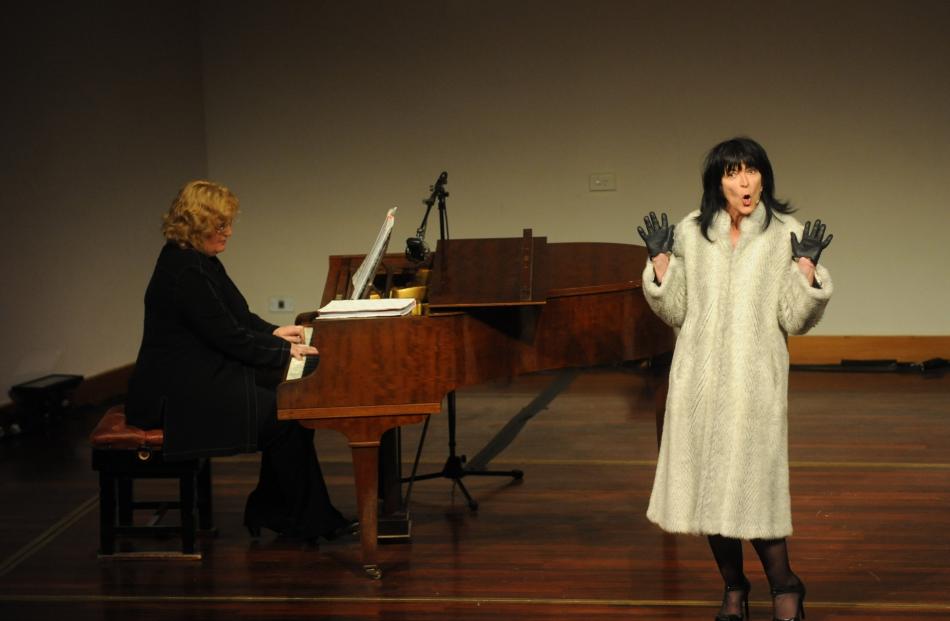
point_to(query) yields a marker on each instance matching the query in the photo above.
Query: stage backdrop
(322, 115)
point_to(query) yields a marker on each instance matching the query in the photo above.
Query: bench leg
(205, 510)
(187, 489)
(107, 513)
(125, 500)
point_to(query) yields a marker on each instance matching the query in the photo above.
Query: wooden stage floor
(870, 492)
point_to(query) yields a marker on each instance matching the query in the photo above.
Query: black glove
(812, 243)
(658, 237)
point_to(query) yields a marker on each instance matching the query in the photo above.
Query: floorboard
(870, 476)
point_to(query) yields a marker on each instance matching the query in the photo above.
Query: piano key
(299, 368)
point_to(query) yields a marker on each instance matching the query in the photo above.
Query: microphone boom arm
(416, 249)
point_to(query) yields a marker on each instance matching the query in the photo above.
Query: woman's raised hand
(812, 243)
(659, 234)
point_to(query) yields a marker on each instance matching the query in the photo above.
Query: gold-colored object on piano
(418, 292)
(409, 292)
(422, 275)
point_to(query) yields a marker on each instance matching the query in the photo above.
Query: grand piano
(496, 308)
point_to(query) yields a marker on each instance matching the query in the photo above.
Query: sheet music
(295, 370)
(368, 268)
(383, 307)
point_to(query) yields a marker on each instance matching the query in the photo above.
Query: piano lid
(489, 272)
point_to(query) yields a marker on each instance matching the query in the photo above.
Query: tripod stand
(454, 468)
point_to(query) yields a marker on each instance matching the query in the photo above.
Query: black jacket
(195, 373)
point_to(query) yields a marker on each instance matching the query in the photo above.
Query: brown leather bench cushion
(113, 433)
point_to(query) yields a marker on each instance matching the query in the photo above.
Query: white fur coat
(723, 464)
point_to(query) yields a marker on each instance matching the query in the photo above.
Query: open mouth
(747, 200)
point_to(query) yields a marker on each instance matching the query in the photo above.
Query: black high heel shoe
(349, 527)
(798, 588)
(745, 587)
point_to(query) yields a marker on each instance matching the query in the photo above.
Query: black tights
(774, 556)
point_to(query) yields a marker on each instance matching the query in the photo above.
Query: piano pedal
(395, 528)
(373, 571)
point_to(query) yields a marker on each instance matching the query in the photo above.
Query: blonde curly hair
(200, 208)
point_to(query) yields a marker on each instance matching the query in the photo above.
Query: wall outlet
(281, 304)
(603, 182)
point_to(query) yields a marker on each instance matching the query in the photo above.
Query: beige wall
(321, 115)
(101, 121)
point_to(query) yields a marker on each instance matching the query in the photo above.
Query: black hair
(726, 157)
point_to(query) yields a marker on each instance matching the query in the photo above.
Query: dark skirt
(291, 496)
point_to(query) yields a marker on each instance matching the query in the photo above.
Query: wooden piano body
(499, 308)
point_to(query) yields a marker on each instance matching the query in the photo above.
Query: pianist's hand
(658, 236)
(291, 334)
(299, 351)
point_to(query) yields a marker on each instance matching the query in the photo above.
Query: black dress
(200, 375)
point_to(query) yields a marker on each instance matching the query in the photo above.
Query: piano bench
(121, 454)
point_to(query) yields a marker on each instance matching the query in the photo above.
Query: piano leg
(363, 434)
(365, 470)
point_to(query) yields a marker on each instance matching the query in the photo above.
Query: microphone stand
(438, 192)
(394, 522)
(454, 467)
(416, 249)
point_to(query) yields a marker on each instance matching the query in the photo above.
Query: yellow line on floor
(510, 601)
(794, 464)
(891, 465)
(873, 465)
(48, 535)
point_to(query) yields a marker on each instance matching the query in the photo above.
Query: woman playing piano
(736, 277)
(207, 367)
